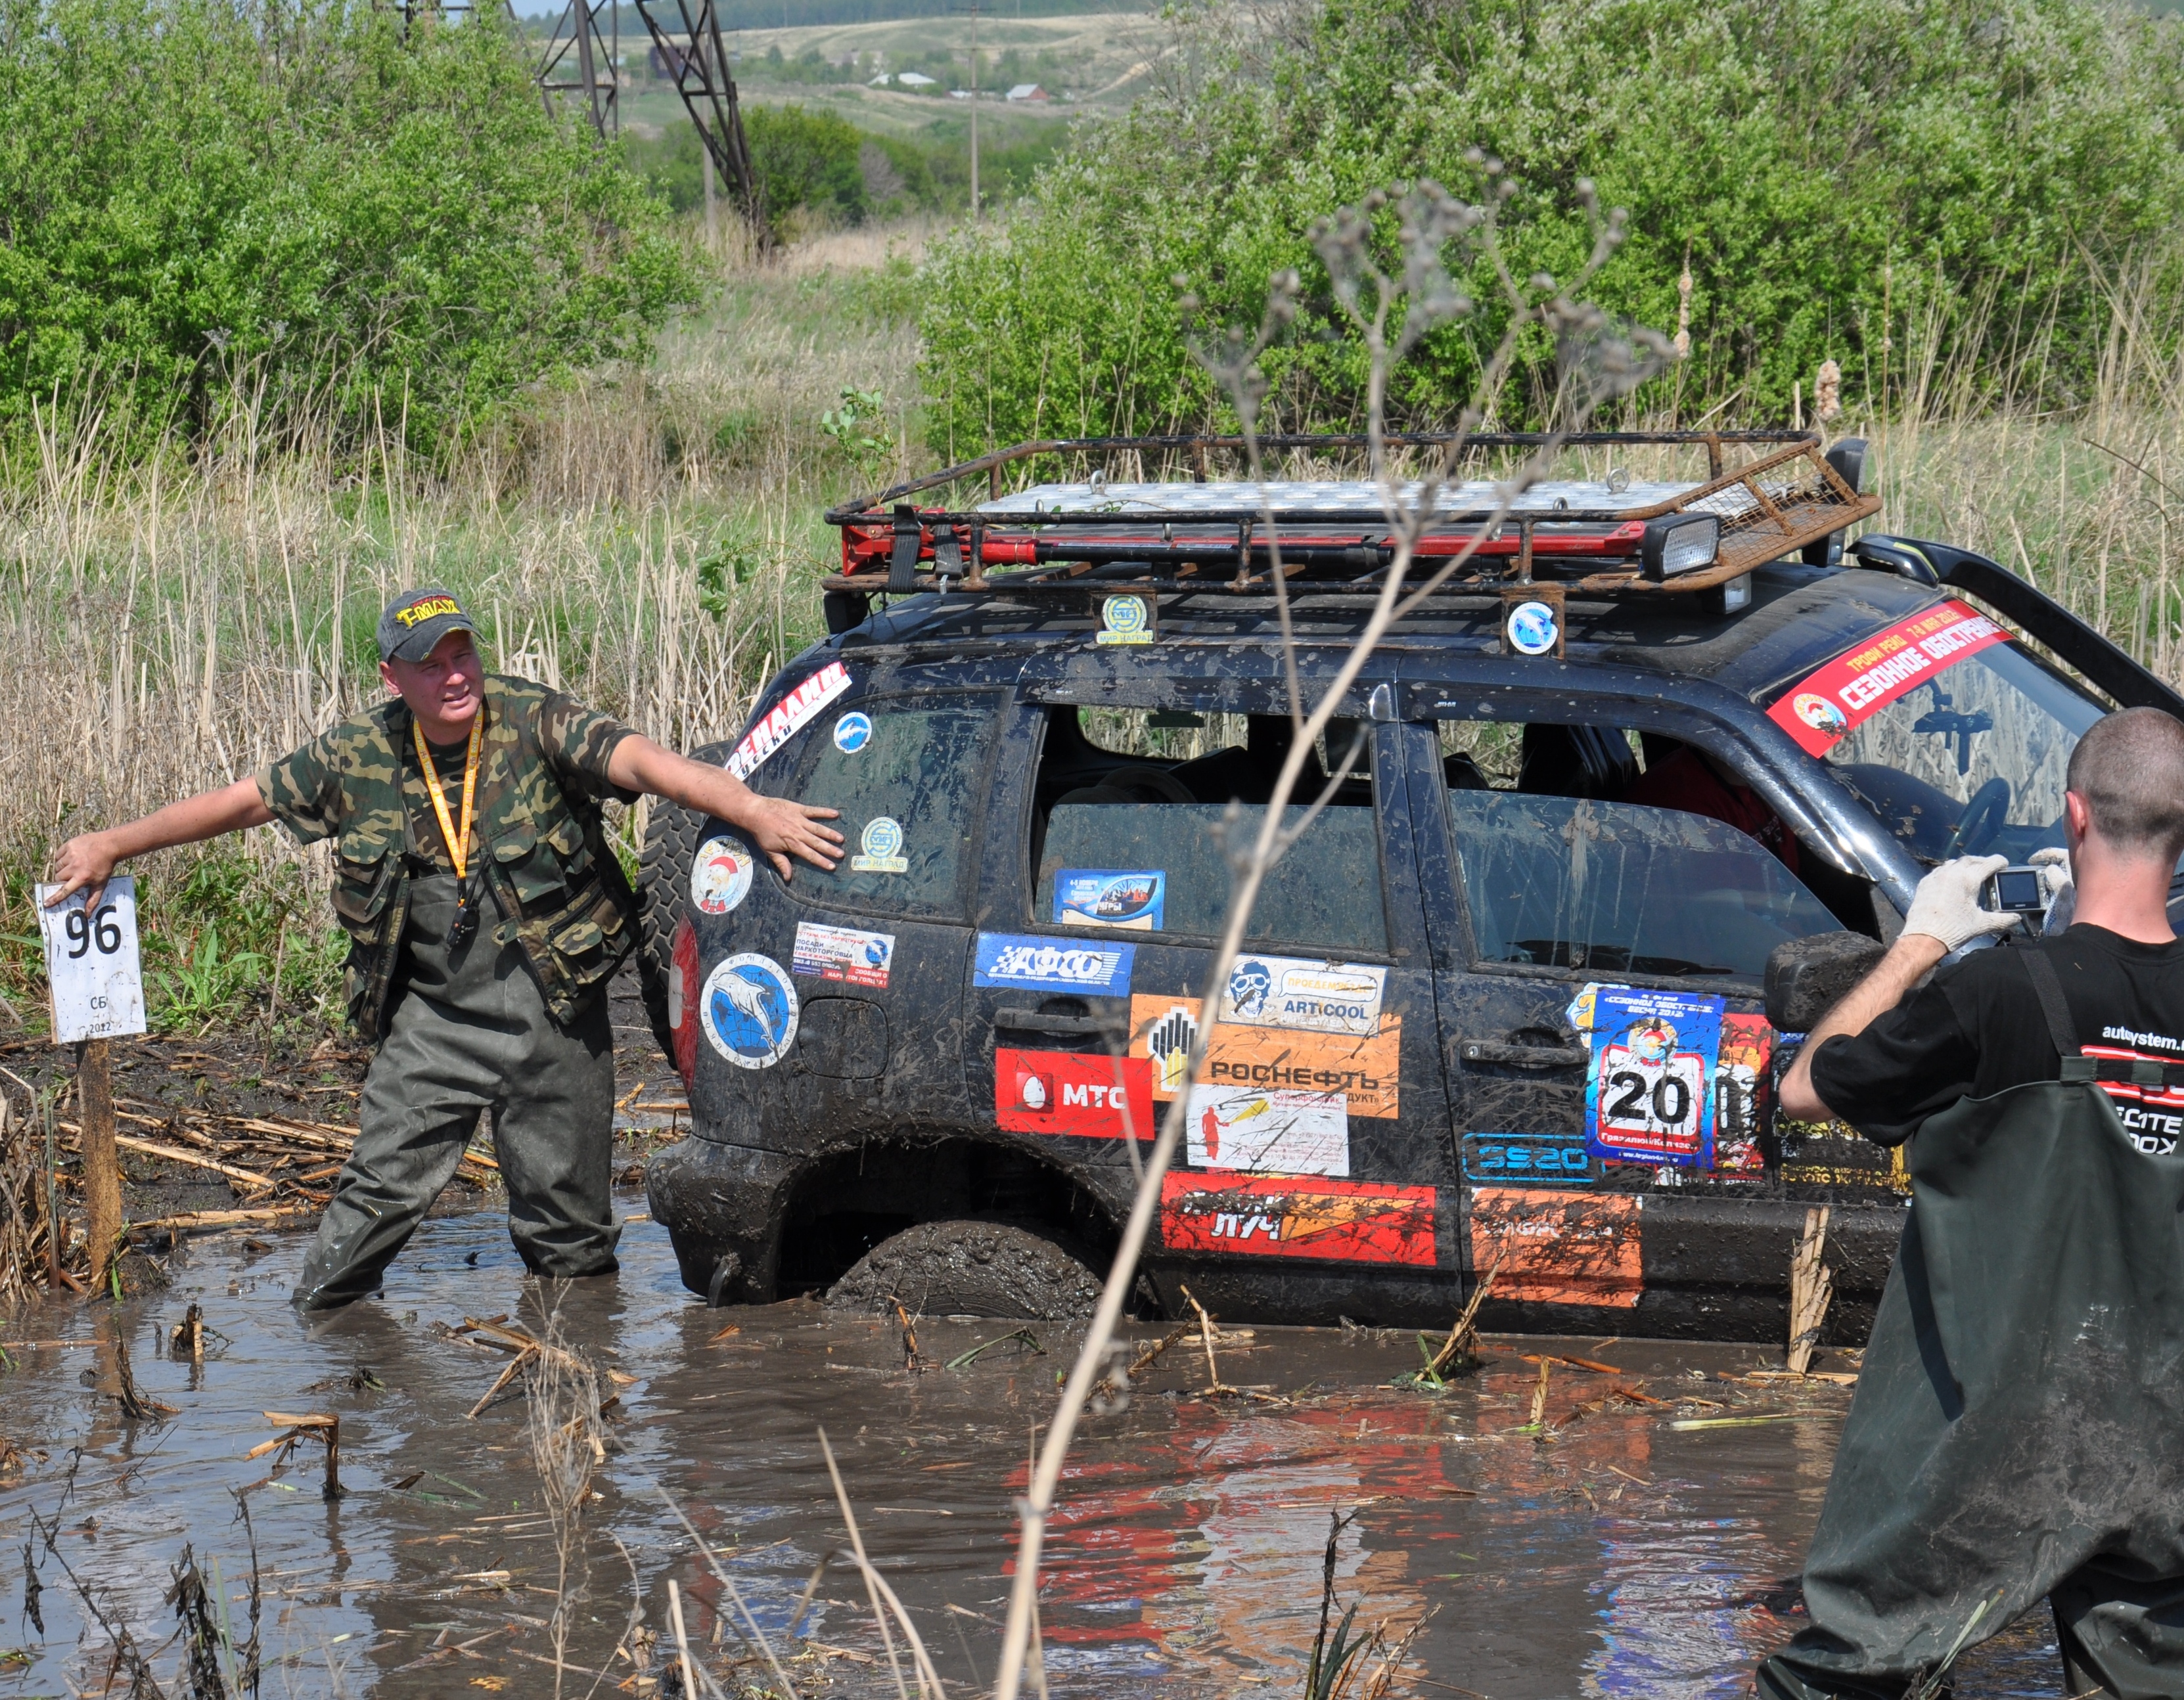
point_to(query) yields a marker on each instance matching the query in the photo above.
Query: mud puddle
(1622, 1555)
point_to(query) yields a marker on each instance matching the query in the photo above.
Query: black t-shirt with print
(1975, 1028)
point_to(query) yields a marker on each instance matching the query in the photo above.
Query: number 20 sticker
(92, 963)
(1649, 1098)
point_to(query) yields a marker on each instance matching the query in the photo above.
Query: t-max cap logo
(432, 608)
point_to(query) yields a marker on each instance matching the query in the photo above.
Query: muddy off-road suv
(1505, 1006)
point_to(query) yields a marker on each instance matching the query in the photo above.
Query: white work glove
(2054, 866)
(1947, 904)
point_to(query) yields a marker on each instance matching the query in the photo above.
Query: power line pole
(700, 66)
(973, 10)
(595, 77)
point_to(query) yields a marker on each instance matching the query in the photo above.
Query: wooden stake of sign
(101, 1163)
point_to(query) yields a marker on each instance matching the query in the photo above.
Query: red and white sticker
(1344, 1221)
(1833, 700)
(1066, 1092)
(789, 717)
(682, 1000)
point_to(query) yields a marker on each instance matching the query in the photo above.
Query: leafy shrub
(1848, 178)
(203, 199)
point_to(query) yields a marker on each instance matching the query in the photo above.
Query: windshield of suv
(1618, 888)
(1970, 761)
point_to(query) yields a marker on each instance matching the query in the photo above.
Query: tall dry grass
(650, 541)
(645, 540)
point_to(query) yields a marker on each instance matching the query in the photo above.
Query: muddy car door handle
(1040, 1022)
(1525, 1056)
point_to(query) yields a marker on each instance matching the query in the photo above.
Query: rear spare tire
(970, 1268)
(663, 898)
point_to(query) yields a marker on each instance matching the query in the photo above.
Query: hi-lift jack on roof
(1615, 538)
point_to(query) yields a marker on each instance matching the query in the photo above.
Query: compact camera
(2014, 891)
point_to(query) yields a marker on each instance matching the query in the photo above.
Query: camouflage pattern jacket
(539, 838)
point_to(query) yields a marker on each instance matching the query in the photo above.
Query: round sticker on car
(720, 875)
(749, 1010)
(1820, 714)
(1531, 628)
(881, 843)
(852, 732)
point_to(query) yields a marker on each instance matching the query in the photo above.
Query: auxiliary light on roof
(1678, 543)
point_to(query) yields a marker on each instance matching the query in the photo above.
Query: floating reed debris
(315, 1425)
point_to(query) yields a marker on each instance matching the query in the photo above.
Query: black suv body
(1481, 1001)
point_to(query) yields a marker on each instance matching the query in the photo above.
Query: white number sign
(92, 963)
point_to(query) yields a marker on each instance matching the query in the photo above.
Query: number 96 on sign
(92, 963)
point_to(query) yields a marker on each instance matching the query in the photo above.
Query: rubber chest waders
(2018, 1425)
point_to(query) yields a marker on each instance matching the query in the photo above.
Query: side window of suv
(909, 775)
(1134, 827)
(1560, 872)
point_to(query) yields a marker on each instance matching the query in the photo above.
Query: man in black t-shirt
(1897, 1055)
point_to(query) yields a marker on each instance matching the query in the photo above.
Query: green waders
(472, 1032)
(2019, 1424)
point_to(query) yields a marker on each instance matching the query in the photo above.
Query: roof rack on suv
(1609, 538)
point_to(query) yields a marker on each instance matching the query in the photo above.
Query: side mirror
(1848, 460)
(1807, 977)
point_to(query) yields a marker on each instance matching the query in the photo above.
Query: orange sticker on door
(1558, 1249)
(1363, 1069)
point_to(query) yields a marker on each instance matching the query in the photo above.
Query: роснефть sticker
(1363, 1068)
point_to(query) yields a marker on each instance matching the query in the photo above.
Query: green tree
(207, 199)
(1849, 178)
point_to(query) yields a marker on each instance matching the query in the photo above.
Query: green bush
(205, 200)
(1866, 180)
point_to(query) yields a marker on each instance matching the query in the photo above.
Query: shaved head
(2130, 770)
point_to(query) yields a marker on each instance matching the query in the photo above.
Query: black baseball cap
(417, 621)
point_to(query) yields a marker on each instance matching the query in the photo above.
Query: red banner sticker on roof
(1064, 1091)
(1820, 709)
(1344, 1221)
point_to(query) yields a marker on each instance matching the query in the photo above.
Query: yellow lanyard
(458, 848)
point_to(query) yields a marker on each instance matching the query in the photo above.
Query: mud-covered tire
(971, 1269)
(663, 896)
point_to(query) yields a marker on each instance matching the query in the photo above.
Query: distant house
(882, 81)
(1028, 92)
(916, 80)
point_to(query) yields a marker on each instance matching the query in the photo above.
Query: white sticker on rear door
(1271, 1132)
(789, 717)
(1313, 997)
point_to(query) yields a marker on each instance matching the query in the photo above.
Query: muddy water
(1624, 1555)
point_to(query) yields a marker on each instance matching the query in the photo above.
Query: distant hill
(790, 14)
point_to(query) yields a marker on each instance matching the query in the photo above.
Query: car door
(1313, 1167)
(1598, 965)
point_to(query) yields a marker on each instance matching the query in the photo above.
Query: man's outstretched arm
(1907, 961)
(780, 828)
(87, 862)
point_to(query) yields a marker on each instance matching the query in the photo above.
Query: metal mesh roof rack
(1198, 533)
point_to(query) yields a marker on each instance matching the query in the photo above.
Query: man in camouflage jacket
(479, 975)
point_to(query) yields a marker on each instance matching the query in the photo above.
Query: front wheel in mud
(970, 1268)
(663, 896)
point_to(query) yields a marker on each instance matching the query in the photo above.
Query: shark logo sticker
(748, 1009)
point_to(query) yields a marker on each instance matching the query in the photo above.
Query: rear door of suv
(1312, 1182)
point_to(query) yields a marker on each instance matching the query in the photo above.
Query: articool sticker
(749, 1007)
(1344, 1221)
(720, 875)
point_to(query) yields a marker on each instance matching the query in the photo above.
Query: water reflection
(1621, 1556)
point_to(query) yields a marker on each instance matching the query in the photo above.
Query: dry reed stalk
(1811, 1284)
(567, 1444)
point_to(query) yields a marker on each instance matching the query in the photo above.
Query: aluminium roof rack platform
(1199, 534)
